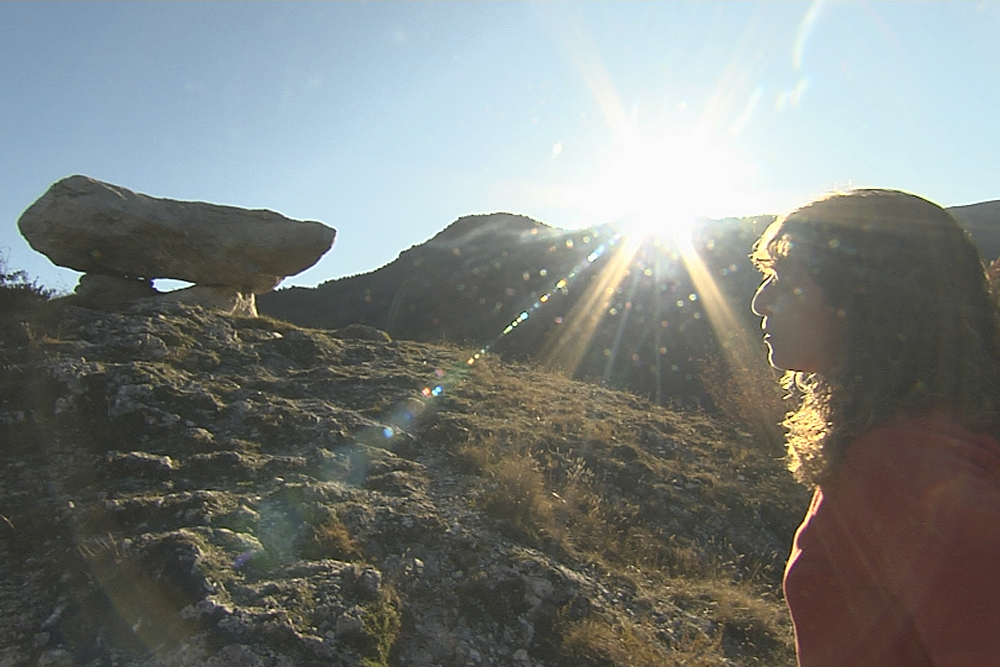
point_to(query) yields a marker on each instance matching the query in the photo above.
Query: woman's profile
(877, 306)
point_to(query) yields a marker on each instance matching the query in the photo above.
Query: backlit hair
(921, 326)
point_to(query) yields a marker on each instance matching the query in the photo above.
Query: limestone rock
(104, 292)
(91, 226)
(228, 300)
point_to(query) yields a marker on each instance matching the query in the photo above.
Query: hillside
(621, 316)
(983, 222)
(185, 488)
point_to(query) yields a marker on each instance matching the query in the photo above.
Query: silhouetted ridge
(468, 283)
(469, 228)
(650, 331)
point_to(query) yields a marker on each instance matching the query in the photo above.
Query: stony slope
(184, 488)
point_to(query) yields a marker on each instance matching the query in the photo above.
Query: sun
(656, 181)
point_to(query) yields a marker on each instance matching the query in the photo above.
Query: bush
(18, 293)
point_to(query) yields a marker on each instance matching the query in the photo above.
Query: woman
(877, 305)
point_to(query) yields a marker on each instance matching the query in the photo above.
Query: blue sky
(387, 121)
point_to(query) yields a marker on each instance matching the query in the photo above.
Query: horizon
(393, 120)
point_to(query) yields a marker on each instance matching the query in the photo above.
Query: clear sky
(387, 121)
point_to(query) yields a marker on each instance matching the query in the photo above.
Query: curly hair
(921, 325)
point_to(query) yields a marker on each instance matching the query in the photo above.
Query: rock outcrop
(99, 228)
(180, 487)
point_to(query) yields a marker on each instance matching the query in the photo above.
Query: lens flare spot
(242, 559)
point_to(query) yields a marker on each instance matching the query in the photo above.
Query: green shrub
(382, 620)
(18, 293)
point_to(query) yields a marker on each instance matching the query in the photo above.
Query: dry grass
(596, 640)
(517, 497)
(590, 475)
(750, 395)
(331, 539)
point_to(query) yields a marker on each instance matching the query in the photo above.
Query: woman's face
(801, 329)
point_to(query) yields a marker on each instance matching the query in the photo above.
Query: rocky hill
(587, 302)
(179, 487)
(983, 222)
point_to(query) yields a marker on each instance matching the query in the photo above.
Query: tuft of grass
(744, 622)
(596, 641)
(518, 499)
(474, 456)
(382, 621)
(331, 539)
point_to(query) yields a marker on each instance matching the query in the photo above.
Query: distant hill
(639, 324)
(579, 305)
(983, 222)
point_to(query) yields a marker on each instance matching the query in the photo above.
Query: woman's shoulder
(914, 486)
(937, 437)
(914, 455)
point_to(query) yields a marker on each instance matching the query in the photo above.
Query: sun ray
(565, 351)
(622, 326)
(742, 354)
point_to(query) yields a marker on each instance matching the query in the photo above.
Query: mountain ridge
(650, 330)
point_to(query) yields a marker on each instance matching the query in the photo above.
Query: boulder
(95, 227)
(217, 298)
(112, 293)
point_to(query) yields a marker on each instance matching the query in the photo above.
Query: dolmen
(123, 240)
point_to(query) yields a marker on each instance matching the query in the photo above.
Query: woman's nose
(761, 302)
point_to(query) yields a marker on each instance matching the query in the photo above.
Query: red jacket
(897, 562)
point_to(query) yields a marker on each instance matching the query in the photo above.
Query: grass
(331, 539)
(590, 475)
(382, 620)
(598, 641)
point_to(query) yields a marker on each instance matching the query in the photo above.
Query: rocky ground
(184, 488)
